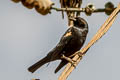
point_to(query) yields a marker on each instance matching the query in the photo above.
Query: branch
(89, 9)
(68, 9)
(104, 28)
(81, 9)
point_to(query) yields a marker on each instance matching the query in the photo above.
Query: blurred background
(26, 37)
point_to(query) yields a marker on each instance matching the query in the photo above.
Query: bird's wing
(66, 38)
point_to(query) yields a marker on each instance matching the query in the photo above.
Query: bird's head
(80, 23)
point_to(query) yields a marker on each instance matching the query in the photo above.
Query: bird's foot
(80, 54)
(73, 62)
(77, 53)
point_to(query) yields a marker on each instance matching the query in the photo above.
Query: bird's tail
(62, 63)
(37, 65)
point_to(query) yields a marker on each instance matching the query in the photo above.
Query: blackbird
(71, 41)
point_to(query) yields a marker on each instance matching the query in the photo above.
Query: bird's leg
(69, 60)
(77, 53)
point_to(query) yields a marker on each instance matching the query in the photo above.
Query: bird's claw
(80, 54)
(73, 62)
(77, 53)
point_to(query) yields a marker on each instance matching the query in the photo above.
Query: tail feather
(37, 65)
(62, 63)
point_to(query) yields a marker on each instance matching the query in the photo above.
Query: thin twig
(68, 9)
(79, 9)
(99, 34)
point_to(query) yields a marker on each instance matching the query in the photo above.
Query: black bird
(71, 41)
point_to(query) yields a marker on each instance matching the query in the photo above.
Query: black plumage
(71, 41)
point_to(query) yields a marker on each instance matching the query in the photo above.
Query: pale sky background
(26, 37)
